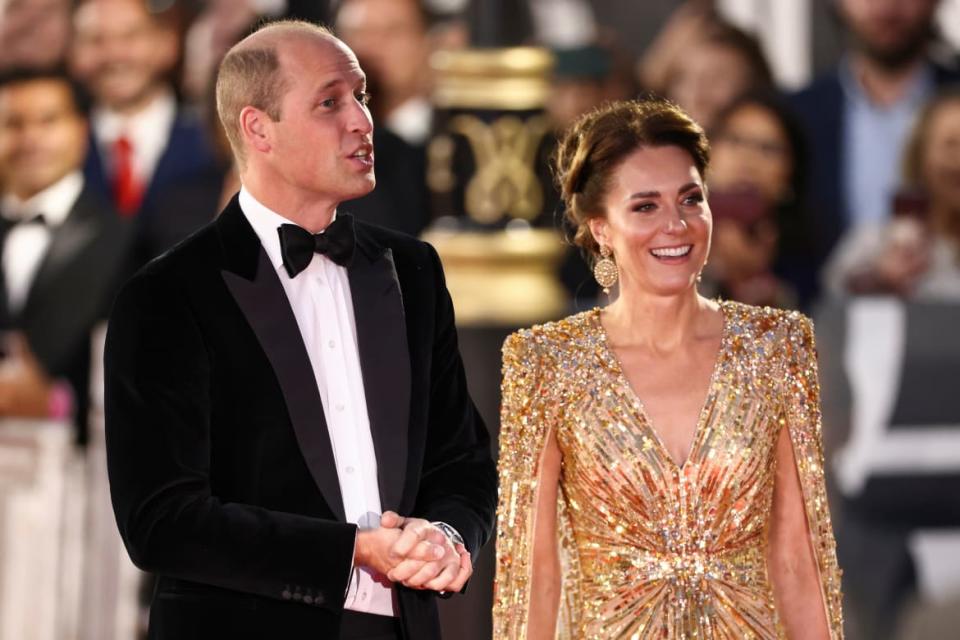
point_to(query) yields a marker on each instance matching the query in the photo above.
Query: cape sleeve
(804, 424)
(527, 415)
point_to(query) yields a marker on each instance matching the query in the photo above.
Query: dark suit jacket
(820, 108)
(188, 153)
(400, 200)
(221, 468)
(71, 292)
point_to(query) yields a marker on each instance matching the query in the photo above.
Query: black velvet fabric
(221, 469)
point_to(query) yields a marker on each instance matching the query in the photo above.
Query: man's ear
(255, 129)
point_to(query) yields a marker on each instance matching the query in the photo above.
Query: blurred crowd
(110, 153)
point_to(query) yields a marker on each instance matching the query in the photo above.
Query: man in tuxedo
(61, 248)
(290, 441)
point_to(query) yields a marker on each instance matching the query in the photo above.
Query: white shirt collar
(148, 131)
(265, 223)
(412, 120)
(153, 122)
(55, 202)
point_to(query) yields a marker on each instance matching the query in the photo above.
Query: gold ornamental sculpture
(487, 174)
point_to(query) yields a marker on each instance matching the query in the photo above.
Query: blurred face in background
(941, 158)
(751, 151)
(890, 32)
(43, 137)
(571, 98)
(121, 53)
(706, 78)
(33, 33)
(390, 37)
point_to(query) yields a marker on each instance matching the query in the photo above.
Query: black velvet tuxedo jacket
(221, 468)
(71, 292)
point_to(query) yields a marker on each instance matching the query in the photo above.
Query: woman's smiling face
(657, 220)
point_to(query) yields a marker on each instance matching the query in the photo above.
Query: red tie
(127, 190)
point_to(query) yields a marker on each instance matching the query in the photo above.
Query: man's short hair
(250, 75)
(22, 75)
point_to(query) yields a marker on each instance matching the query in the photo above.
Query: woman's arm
(546, 579)
(793, 567)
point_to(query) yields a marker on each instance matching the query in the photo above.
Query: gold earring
(605, 270)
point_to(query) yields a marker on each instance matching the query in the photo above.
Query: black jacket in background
(71, 293)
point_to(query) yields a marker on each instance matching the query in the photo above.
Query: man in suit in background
(62, 247)
(290, 441)
(143, 141)
(857, 116)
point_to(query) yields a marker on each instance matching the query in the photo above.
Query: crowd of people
(111, 152)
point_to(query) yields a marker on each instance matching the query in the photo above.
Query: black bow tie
(37, 219)
(297, 245)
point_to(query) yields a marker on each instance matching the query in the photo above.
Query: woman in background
(761, 246)
(917, 254)
(661, 472)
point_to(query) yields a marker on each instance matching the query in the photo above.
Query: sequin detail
(650, 548)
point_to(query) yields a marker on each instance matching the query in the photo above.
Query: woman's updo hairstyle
(600, 140)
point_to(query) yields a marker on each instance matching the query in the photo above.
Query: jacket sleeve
(802, 392)
(458, 484)
(158, 427)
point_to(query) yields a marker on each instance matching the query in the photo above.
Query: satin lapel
(67, 241)
(265, 305)
(385, 361)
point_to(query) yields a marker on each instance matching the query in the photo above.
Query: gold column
(486, 175)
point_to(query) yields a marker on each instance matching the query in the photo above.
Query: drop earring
(605, 270)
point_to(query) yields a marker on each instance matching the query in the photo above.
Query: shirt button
(332, 344)
(349, 469)
(339, 406)
(363, 595)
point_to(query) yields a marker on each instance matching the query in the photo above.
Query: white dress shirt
(148, 132)
(412, 121)
(26, 244)
(323, 306)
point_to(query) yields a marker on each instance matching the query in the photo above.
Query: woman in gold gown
(661, 470)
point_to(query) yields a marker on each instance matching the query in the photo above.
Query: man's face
(42, 136)
(892, 32)
(322, 147)
(33, 33)
(390, 37)
(120, 52)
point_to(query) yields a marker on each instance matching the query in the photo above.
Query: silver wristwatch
(452, 534)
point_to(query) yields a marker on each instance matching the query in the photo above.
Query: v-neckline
(638, 402)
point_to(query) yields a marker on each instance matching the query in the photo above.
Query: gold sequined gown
(650, 549)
